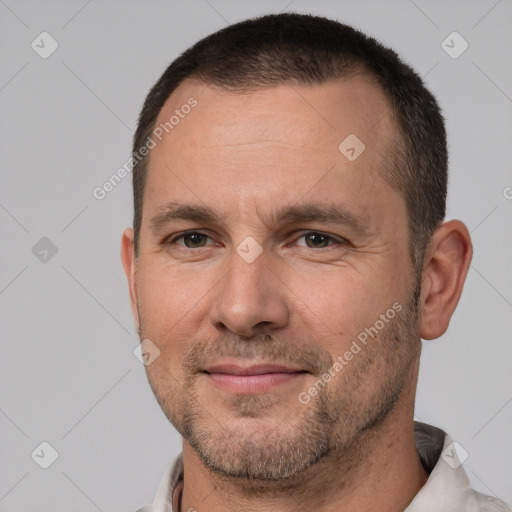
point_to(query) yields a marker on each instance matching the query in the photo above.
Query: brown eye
(317, 240)
(191, 240)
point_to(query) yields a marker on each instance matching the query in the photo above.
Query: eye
(316, 240)
(191, 240)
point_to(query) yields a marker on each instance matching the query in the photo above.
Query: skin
(300, 303)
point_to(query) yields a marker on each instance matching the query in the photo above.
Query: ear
(128, 259)
(445, 267)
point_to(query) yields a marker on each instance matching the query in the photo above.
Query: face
(274, 274)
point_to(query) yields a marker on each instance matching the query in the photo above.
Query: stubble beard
(252, 448)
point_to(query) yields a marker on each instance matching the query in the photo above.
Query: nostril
(264, 323)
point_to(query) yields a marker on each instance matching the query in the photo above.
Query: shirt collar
(447, 488)
(164, 497)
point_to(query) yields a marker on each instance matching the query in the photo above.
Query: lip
(241, 379)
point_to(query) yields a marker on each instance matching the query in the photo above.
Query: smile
(251, 379)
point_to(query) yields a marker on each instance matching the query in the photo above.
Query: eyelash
(333, 240)
(180, 236)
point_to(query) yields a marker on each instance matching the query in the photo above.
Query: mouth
(242, 379)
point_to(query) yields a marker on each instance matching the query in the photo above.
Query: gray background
(68, 373)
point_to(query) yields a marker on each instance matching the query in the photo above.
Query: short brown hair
(307, 50)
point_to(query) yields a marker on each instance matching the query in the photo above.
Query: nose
(250, 299)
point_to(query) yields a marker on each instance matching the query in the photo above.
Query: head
(306, 50)
(288, 222)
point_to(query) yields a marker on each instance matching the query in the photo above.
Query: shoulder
(489, 504)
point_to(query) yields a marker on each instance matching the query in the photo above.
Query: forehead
(326, 111)
(271, 144)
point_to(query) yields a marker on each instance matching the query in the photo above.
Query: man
(287, 255)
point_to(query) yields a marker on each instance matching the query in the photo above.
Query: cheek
(171, 305)
(338, 305)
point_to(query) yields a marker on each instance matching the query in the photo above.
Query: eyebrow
(291, 214)
(173, 211)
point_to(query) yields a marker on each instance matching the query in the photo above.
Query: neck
(381, 471)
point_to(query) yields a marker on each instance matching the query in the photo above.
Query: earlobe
(446, 264)
(128, 260)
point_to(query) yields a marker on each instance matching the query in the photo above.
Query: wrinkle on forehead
(365, 107)
(272, 146)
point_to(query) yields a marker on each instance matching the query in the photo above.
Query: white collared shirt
(446, 490)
